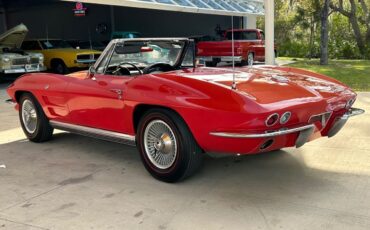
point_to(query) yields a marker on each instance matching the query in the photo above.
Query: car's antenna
(233, 86)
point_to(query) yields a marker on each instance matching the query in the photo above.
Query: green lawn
(354, 73)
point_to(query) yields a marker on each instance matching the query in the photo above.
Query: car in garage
(125, 34)
(174, 111)
(86, 44)
(14, 60)
(60, 56)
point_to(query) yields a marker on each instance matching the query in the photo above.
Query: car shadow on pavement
(279, 180)
(278, 171)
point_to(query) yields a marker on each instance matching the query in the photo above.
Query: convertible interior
(132, 58)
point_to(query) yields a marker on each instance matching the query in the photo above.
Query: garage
(226, 114)
(42, 19)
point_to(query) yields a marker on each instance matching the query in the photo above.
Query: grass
(354, 73)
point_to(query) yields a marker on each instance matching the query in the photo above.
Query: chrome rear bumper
(222, 58)
(304, 134)
(263, 135)
(338, 125)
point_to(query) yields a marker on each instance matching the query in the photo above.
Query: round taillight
(272, 119)
(285, 118)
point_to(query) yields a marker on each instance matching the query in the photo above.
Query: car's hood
(268, 85)
(14, 37)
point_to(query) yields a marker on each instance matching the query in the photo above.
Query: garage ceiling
(218, 7)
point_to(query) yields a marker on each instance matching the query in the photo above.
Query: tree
(324, 58)
(351, 11)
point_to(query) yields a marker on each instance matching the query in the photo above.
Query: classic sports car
(15, 60)
(60, 56)
(174, 112)
(86, 44)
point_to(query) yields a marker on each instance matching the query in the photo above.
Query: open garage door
(242, 8)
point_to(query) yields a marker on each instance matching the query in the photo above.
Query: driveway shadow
(273, 181)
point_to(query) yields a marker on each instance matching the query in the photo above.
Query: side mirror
(91, 73)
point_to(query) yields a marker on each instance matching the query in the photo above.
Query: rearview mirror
(145, 49)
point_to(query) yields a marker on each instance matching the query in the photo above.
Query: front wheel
(167, 147)
(59, 67)
(34, 123)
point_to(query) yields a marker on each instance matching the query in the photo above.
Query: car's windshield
(54, 44)
(125, 35)
(242, 35)
(147, 52)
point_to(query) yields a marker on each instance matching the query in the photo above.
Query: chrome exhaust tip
(267, 144)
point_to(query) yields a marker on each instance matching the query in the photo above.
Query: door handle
(117, 91)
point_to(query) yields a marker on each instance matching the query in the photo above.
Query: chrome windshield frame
(112, 44)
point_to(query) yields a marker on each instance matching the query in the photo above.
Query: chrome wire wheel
(160, 144)
(29, 116)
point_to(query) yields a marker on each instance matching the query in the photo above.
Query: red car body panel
(201, 96)
(241, 47)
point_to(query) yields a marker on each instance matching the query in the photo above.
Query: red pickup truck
(249, 46)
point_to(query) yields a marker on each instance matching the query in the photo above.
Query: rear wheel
(167, 147)
(33, 120)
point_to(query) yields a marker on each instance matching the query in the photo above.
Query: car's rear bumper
(341, 121)
(222, 58)
(304, 133)
(249, 143)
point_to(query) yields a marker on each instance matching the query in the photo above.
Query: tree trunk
(312, 31)
(358, 36)
(353, 20)
(324, 59)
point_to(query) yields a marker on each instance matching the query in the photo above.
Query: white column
(269, 32)
(250, 22)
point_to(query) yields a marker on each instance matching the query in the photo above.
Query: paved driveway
(74, 182)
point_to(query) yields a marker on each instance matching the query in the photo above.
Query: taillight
(285, 118)
(272, 119)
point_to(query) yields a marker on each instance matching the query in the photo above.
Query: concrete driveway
(74, 182)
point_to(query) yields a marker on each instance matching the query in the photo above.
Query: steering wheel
(163, 67)
(120, 66)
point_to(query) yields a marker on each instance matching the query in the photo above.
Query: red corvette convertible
(149, 93)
